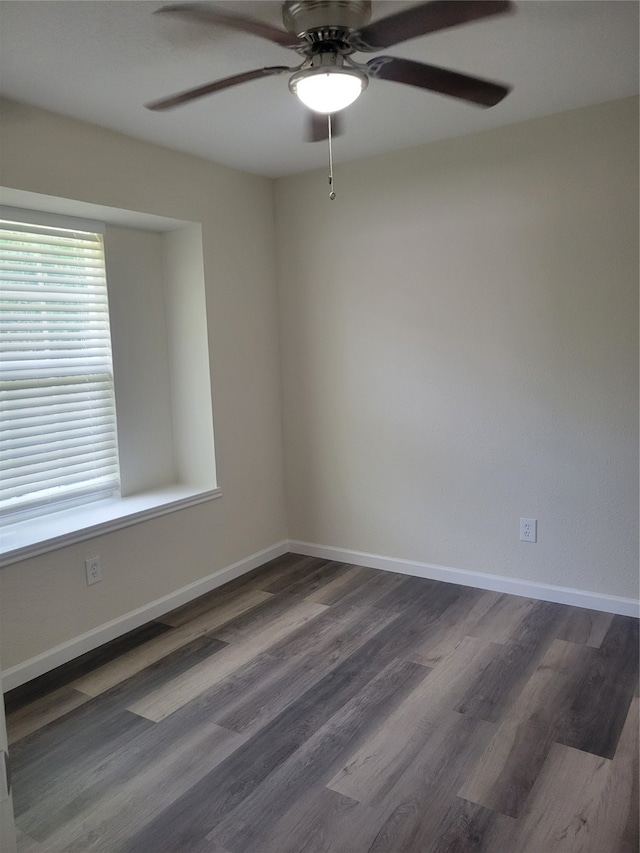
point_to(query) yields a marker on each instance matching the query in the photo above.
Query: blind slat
(36, 463)
(14, 254)
(50, 498)
(69, 283)
(25, 235)
(19, 353)
(26, 428)
(66, 437)
(82, 479)
(34, 364)
(52, 396)
(13, 409)
(21, 340)
(60, 312)
(73, 286)
(103, 461)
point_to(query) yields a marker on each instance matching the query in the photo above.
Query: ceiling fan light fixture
(328, 90)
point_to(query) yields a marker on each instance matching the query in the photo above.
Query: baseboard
(23, 672)
(496, 583)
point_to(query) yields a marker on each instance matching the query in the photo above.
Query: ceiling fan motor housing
(304, 16)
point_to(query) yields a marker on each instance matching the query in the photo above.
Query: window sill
(29, 538)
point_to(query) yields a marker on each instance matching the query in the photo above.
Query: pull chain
(332, 195)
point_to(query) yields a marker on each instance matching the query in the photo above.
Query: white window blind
(57, 405)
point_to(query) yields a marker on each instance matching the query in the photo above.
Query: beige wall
(459, 333)
(45, 600)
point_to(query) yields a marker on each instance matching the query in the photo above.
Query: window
(57, 407)
(159, 339)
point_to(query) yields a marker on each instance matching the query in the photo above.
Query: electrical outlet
(528, 530)
(94, 572)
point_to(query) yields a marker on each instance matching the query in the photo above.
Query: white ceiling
(101, 60)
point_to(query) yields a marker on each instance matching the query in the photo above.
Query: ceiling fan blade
(210, 15)
(216, 86)
(318, 126)
(441, 80)
(423, 19)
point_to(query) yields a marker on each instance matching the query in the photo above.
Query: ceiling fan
(326, 34)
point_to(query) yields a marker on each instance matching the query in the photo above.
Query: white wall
(459, 331)
(45, 600)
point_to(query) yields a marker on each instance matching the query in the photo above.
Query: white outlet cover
(93, 570)
(528, 530)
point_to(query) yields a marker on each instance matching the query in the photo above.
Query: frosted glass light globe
(328, 91)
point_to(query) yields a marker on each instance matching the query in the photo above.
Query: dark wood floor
(316, 706)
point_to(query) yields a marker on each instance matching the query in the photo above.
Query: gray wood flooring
(315, 706)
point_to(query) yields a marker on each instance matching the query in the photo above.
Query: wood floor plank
(502, 621)
(398, 828)
(152, 751)
(28, 845)
(411, 592)
(43, 711)
(460, 827)
(316, 759)
(231, 691)
(68, 672)
(318, 822)
(353, 578)
(457, 622)
(625, 782)
(260, 618)
(153, 650)
(588, 627)
(309, 581)
(489, 696)
(220, 596)
(507, 772)
(36, 773)
(156, 676)
(51, 760)
(232, 782)
(256, 692)
(281, 574)
(583, 803)
(219, 606)
(168, 698)
(208, 847)
(294, 725)
(417, 807)
(371, 772)
(369, 594)
(285, 682)
(602, 701)
(430, 749)
(467, 828)
(325, 628)
(119, 805)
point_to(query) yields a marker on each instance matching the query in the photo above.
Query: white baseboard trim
(23, 672)
(496, 583)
